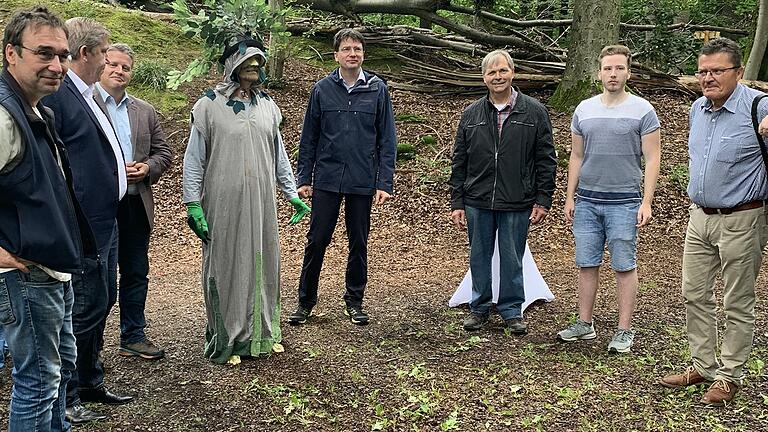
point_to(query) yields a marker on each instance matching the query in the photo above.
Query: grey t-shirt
(611, 170)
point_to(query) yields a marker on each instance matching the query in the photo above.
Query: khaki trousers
(731, 244)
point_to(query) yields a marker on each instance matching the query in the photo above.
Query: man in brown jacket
(147, 156)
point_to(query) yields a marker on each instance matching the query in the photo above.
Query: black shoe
(300, 316)
(516, 326)
(103, 395)
(356, 315)
(475, 321)
(79, 414)
(144, 349)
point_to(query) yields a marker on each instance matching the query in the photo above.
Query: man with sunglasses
(727, 228)
(44, 236)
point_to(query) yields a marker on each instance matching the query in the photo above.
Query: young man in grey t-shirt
(610, 134)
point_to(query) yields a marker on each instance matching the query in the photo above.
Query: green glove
(301, 210)
(196, 221)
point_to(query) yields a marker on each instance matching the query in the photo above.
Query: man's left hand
(381, 196)
(538, 214)
(643, 215)
(136, 171)
(763, 128)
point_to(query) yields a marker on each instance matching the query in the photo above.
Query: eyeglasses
(349, 49)
(714, 72)
(47, 55)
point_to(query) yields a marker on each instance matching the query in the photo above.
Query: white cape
(535, 287)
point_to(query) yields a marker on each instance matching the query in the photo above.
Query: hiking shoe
(720, 393)
(356, 315)
(475, 321)
(516, 326)
(621, 342)
(144, 349)
(689, 377)
(300, 316)
(580, 330)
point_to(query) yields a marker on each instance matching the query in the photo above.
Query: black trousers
(322, 223)
(91, 296)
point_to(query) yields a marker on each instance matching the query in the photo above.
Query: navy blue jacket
(94, 168)
(40, 220)
(348, 143)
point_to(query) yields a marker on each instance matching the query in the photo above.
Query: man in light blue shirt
(147, 156)
(727, 230)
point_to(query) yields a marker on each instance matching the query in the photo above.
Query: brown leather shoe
(688, 378)
(720, 393)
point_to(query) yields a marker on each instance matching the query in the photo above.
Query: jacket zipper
(495, 165)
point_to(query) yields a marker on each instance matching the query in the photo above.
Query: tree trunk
(759, 43)
(277, 55)
(595, 25)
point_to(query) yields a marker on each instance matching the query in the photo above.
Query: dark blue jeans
(511, 228)
(325, 213)
(91, 290)
(36, 315)
(133, 259)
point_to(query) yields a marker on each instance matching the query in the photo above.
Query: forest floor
(414, 368)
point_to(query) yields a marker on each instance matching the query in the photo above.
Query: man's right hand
(569, 209)
(305, 191)
(7, 260)
(196, 221)
(459, 218)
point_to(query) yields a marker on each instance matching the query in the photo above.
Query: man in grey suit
(147, 157)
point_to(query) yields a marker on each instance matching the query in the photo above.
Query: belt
(726, 211)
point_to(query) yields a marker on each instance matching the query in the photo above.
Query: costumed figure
(234, 158)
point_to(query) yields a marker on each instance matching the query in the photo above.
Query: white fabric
(535, 286)
(87, 92)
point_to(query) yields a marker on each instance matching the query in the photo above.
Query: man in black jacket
(502, 180)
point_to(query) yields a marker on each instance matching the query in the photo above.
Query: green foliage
(680, 177)
(410, 118)
(152, 74)
(405, 151)
(218, 24)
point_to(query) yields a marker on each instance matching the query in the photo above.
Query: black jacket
(510, 173)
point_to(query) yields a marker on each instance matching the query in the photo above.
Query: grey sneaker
(475, 321)
(580, 330)
(621, 342)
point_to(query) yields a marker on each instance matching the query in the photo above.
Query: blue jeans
(511, 227)
(3, 348)
(595, 224)
(134, 231)
(36, 313)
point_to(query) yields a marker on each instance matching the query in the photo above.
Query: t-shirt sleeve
(649, 123)
(575, 128)
(10, 141)
(762, 109)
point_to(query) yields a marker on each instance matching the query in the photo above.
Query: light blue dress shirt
(118, 112)
(726, 167)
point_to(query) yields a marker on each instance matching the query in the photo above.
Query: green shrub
(151, 74)
(680, 177)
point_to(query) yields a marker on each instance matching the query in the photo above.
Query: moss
(169, 103)
(565, 100)
(152, 39)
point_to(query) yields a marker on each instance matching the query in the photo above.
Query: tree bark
(595, 25)
(277, 55)
(759, 44)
